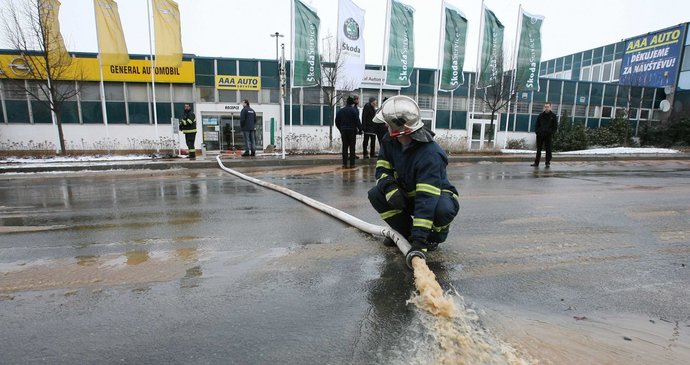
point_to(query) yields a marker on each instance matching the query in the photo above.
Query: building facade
(583, 85)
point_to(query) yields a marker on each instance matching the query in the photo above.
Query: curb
(209, 162)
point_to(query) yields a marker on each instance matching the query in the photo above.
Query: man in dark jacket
(348, 123)
(188, 128)
(248, 126)
(370, 128)
(547, 124)
(412, 192)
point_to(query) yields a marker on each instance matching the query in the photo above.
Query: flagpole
(439, 66)
(479, 55)
(385, 47)
(514, 72)
(102, 88)
(282, 100)
(292, 57)
(153, 75)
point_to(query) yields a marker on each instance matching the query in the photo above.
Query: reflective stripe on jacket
(420, 170)
(188, 123)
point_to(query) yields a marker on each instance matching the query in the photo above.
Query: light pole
(276, 35)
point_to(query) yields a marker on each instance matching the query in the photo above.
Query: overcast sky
(242, 28)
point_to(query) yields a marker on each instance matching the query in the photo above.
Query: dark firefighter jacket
(188, 122)
(420, 170)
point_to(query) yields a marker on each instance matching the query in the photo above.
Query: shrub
(569, 137)
(602, 137)
(672, 133)
(517, 144)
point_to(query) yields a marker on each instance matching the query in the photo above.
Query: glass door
(481, 131)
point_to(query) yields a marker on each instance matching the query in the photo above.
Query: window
(89, 91)
(616, 70)
(568, 75)
(606, 73)
(182, 93)
(459, 103)
(558, 75)
(137, 93)
(227, 96)
(205, 94)
(38, 89)
(114, 91)
(162, 93)
(312, 96)
(584, 75)
(252, 96)
(594, 112)
(596, 73)
(606, 112)
(425, 102)
(14, 90)
(580, 110)
(644, 114)
(443, 102)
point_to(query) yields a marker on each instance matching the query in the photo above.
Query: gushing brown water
(459, 341)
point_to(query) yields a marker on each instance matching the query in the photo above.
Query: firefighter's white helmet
(401, 113)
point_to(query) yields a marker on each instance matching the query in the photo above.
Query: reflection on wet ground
(123, 264)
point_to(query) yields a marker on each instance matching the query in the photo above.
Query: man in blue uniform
(248, 126)
(412, 192)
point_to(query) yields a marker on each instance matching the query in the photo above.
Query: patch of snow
(620, 150)
(603, 151)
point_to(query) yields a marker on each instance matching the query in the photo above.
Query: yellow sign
(86, 69)
(228, 82)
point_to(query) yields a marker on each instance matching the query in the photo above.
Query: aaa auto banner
(652, 60)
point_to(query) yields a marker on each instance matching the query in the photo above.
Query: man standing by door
(188, 128)
(248, 126)
(547, 124)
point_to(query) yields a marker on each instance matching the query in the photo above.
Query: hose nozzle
(411, 254)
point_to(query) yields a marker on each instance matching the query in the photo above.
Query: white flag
(350, 45)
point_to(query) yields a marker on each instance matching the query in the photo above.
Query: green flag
(529, 53)
(453, 49)
(306, 70)
(400, 45)
(492, 50)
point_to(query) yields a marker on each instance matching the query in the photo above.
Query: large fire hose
(363, 226)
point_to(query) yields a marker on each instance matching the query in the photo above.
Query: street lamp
(276, 35)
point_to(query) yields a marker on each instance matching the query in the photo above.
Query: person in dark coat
(381, 128)
(547, 124)
(368, 113)
(188, 128)
(248, 126)
(412, 193)
(348, 123)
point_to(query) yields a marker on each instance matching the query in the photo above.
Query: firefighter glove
(394, 195)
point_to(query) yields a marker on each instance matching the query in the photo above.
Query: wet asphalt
(197, 266)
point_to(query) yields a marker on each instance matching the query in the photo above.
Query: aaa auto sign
(652, 60)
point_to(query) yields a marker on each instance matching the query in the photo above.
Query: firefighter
(412, 192)
(188, 128)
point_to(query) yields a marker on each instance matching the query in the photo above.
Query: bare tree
(497, 96)
(41, 70)
(331, 70)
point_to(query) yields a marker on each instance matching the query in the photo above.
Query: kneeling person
(412, 192)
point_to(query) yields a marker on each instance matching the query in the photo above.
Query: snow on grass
(603, 151)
